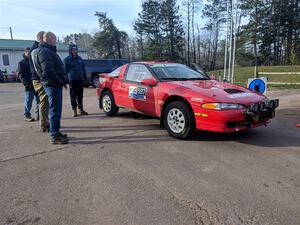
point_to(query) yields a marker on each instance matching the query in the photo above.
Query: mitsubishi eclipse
(183, 99)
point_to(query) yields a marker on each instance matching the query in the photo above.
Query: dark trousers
(55, 95)
(76, 93)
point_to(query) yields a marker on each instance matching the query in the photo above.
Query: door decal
(138, 93)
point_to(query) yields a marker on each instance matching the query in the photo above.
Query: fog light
(256, 118)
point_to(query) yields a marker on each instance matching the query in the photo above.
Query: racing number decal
(138, 93)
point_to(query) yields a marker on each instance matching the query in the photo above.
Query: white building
(11, 52)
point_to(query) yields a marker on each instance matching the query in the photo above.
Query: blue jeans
(55, 109)
(28, 99)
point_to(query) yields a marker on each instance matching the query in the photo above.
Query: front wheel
(108, 104)
(179, 120)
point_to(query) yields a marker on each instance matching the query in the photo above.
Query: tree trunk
(199, 45)
(188, 34)
(193, 31)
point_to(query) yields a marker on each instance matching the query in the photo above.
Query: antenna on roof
(10, 30)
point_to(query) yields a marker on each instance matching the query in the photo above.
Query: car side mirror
(149, 82)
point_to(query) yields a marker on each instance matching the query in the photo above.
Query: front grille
(238, 124)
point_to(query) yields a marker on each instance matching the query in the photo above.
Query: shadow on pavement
(86, 129)
(272, 136)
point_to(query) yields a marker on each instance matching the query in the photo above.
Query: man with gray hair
(50, 70)
(38, 87)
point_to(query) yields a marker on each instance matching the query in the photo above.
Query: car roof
(151, 63)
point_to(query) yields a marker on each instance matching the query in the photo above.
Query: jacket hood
(71, 46)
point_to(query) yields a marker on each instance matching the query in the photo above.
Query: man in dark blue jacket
(51, 72)
(25, 74)
(77, 76)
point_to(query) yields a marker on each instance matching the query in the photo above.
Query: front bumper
(227, 121)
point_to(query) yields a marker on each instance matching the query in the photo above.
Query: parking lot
(122, 170)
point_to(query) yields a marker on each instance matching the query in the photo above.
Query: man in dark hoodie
(25, 74)
(77, 76)
(38, 87)
(51, 72)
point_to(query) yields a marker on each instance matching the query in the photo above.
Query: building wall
(15, 56)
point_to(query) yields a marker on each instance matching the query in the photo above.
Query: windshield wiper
(174, 78)
(199, 78)
(183, 78)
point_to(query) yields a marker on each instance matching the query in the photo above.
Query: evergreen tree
(173, 29)
(160, 30)
(149, 24)
(110, 41)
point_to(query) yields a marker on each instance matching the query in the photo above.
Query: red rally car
(183, 99)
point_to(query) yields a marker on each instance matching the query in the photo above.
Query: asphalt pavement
(120, 170)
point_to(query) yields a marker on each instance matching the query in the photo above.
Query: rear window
(116, 72)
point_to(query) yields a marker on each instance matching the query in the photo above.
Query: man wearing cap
(30, 93)
(77, 77)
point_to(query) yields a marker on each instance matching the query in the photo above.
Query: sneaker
(62, 135)
(59, 141)
(28, 119)
(45, 129)
(75, 113)
(82, 112)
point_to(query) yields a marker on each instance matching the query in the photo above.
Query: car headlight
(222, 106)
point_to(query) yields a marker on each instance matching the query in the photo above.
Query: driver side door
(136, 96)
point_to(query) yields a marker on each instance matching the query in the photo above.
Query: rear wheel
(108, 104)
(179, 120)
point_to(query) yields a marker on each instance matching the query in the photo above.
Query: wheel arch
(170, 99)
(100, 99)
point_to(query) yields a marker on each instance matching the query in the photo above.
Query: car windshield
(173, 71)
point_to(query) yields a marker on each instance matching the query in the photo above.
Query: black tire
(95, 81)
(113, 109)
(184, 113)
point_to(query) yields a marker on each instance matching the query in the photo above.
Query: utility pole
(226, 42)
(10, 30)
(234, 40)
(230, 39)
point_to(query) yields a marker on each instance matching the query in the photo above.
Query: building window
(5, 60)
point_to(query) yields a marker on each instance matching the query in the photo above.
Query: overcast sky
(63, 17)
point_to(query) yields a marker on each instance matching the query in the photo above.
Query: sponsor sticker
(138, 93)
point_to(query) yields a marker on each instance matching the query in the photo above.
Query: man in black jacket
(77, 76)
(25, 74)
(50, 70)
(38, 87)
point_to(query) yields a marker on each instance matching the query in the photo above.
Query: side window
(5, 60)
(137, 73)
(116, 72)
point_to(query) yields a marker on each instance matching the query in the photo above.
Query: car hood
(211, 90)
